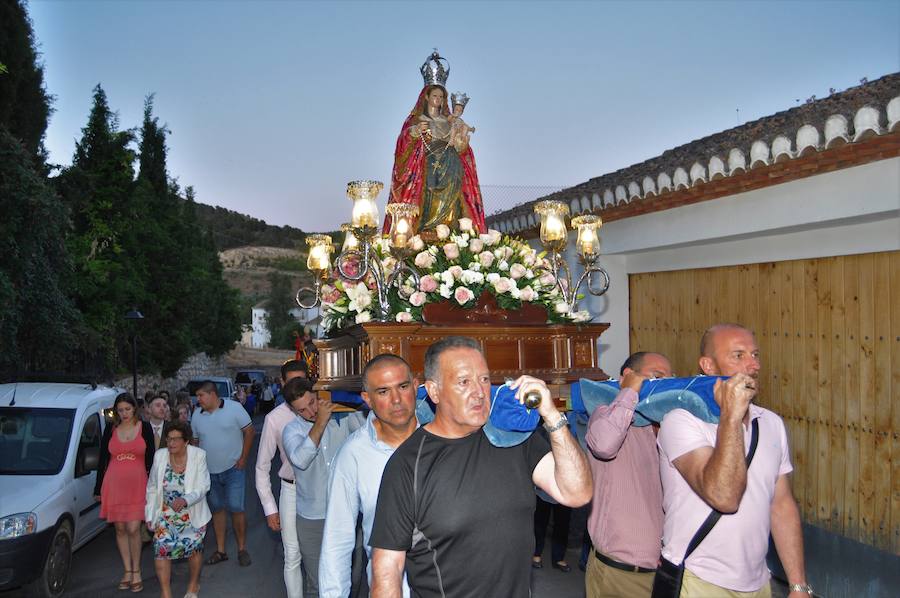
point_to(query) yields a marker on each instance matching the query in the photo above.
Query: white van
(49, 449)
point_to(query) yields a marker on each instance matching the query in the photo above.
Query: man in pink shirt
(626, 517)
(283, 515)
(703, 465)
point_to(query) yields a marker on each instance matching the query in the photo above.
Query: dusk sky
(274, 106)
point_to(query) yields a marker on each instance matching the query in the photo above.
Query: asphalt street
(96, 567)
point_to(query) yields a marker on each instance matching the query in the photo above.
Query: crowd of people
(373, 503)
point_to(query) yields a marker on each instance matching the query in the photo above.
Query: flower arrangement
(458, 267)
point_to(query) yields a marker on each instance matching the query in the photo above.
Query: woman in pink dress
(126, 454)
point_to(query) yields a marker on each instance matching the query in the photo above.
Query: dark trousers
(560, 537)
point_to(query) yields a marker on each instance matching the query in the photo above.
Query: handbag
(669, 576)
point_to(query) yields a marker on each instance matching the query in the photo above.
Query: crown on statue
(433, 71)
(459, 99)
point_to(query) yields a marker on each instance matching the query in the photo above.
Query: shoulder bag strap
(713, 517)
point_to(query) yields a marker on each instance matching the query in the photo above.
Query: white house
(260, 336)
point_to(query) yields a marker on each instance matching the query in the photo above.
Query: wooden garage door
(829, 333)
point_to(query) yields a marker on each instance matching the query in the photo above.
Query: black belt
(623, 566)
(286, 481)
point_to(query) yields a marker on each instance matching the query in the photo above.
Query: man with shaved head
(626, 517)
(704, 465)
(389, 389)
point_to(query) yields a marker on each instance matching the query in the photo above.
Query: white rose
(465, 224)
(363, 317)
(447, 277)
(446, 291)
(581, 316)
(443, 231)
(424, 260)
(417, 243)
(495, 236)
(404, 316)
(515, 292)
(470, 277)
(476, 245)
(528, 294)
(503, 265)
(492, 277)
(561, 307)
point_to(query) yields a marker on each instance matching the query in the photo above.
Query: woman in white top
(176, 511)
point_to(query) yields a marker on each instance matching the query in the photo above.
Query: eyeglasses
(174, 438)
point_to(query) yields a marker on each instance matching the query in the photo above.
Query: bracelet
(796, 587)
(559, 425)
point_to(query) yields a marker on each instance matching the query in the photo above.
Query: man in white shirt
(389, 389)
(283, 515)
(311, 442)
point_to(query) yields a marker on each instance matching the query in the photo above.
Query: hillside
(233, 229)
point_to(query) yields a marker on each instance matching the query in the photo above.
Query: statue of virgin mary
(431, 169)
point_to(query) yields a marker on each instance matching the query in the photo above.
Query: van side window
(89, 439)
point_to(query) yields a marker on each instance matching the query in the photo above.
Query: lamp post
(135, 316)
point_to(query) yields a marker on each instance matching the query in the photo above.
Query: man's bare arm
(719, 474)
(387, 573)
(787, 532)
(564, 474)
(248, 433)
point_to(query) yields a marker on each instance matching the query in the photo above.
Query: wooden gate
(829, 334)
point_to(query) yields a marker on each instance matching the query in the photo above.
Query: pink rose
(465, 224)
(516, 271)
(424, 260)
(456, 271)
(404, 316)
(428, 284)
(417, 243)
(547, 279)
(528, 294)
(486, 258)
(502, 285)
(417, 299)
(476, 245)
(451, 250)
(442, 230)
(463, 295)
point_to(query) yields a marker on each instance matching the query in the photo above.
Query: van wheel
(55, 574)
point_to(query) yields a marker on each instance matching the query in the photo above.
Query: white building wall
(850, 211)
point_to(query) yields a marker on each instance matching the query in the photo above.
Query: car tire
(55, 573)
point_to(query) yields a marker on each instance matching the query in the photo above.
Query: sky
(273, 106)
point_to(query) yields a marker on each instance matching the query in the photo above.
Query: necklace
(178, 467)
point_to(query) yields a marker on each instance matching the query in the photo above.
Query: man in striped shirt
(626, 519)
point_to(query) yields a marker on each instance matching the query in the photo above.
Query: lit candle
(320, 249)
(554, 228)
(350, 240)
(402, 234)
(365, 213)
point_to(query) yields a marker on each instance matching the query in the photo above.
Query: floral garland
(458, 267)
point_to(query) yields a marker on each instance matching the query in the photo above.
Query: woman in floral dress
(176, 511)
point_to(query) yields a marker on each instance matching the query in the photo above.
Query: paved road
(96, 567)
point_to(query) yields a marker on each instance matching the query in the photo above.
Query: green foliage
(281, 324)
(24, 103)
(37, 320)
(286, 264)
(231, 229)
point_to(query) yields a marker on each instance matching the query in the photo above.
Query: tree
(98, 189)
(37, 320)
(24, 103)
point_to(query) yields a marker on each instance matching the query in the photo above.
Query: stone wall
(197, 366)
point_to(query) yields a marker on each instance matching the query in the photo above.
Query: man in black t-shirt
(454, 511)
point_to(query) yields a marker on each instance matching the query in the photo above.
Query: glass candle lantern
(351, 243)
(588, 239)
(553, 223)
(403, 216)
(365, 211)
(320, 249)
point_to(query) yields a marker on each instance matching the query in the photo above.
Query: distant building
(258, 336)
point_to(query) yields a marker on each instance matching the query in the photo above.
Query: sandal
(216, 558)
(124, 585)
(244, 558)
(137, 586)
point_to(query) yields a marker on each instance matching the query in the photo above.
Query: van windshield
(34, 441)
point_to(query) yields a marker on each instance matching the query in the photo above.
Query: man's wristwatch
(559, 425)
(796, 587)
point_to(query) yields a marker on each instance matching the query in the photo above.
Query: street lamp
(134, 315)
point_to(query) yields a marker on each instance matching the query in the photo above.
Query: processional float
(432, 269)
